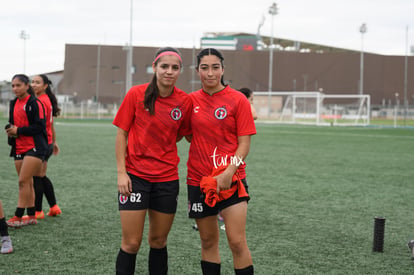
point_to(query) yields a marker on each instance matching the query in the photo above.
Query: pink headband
(167, 53)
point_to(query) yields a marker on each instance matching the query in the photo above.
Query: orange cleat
(54, 211)
(29, 220)
(40, 215)
(15, 222)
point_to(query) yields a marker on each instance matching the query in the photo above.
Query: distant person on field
(6, 243)
(42, 185)
(150, 120)
(249, 94)
(27, 136)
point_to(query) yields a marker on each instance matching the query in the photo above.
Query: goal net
(314, 108)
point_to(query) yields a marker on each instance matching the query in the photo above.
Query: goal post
(313, 108)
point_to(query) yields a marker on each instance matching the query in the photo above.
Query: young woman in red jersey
(150, 120)
(222, 125)
(27, 135)
(42, 185)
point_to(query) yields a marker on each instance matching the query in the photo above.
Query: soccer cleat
(15, 222)
(40, 215)
(6, 245)
(411, 247)
(54, 211)
(29, 220)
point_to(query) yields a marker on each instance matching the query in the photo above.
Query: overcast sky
(50, 24)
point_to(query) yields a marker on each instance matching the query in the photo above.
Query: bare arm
(224, 179)
(254, 114)
(124, 182)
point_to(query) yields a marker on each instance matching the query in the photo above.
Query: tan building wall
(331, 73)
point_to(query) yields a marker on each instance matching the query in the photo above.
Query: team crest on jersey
(220, 113)
(176, 114)
(123, 199)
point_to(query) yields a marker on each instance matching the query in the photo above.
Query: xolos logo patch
(220, 113)
(176, 114)
(123, 199)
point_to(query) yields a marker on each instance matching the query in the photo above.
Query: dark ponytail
(152, 92)
(51, 95)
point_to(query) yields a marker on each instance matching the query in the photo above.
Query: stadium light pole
(98, 70)
(128, 79)
(396, 107)
(406, 77)
(24, 35)
(272, 12)
(362, 30)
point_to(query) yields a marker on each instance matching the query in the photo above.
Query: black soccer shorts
(159, 196)
(198, 209)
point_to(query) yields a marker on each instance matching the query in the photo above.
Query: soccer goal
(314, 108)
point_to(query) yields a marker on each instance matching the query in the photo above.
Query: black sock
(125, 263)
(158, 261)
(19, 212)
(39, 189)
(245, 271)
(30, 211)
(3, 227)
(49, 191)
(209, 268)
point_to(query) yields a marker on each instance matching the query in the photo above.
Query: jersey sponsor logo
(123, 199)
(220, 113)
(224, 160)
(196, 109)
(176, 114)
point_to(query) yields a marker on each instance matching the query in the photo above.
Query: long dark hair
(25, 79)
(246, 91)
(211, 51)
(51, 95)
(152, 91)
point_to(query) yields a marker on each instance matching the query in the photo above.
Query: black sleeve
(36, 124)
(11, 109)
(11, 141)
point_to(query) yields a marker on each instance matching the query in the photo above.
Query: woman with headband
(150, 120)
(27, 136)
(222, 126)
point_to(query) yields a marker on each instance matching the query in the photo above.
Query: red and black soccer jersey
(217, 121)
(152, 150)
(47, 105)
(24, 142)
